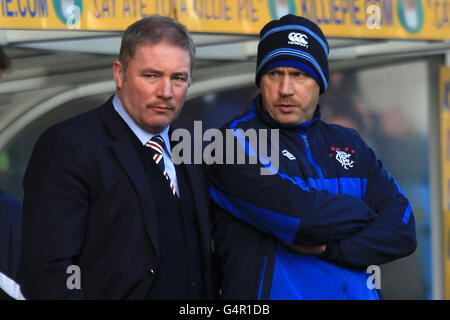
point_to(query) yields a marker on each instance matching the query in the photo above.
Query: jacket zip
(261, 278)
(304, 137)
(310, 158)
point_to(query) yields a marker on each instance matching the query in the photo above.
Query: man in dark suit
(107, 214)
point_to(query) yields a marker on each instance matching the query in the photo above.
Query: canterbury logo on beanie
(298, 39)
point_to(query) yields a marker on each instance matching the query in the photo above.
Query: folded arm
(390, 236)
(286, 206)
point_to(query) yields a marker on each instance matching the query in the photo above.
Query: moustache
(286, 102)
(164, 105)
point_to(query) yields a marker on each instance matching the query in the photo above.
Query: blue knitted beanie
(293, 41)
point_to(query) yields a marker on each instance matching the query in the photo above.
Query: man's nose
(165, 90)
(286, 86)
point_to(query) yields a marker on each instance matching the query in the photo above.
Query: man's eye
(274, 73)
(180, 78)
(149, 75)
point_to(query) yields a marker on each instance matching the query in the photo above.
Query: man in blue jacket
(10, 232)
(328, 210)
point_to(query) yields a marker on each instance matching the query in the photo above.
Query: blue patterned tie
(157, 145)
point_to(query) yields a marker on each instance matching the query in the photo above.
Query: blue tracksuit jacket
(329, 188)
(10, 239)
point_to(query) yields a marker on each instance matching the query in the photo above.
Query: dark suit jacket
(10, 232)
(88, 203)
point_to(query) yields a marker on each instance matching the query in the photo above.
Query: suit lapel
(126, 154)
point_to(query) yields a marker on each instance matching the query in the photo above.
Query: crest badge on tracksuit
(343, 156)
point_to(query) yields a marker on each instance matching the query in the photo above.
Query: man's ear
(118, 73)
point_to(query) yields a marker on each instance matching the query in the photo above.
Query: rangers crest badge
(343, 156)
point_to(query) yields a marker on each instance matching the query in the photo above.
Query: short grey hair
(153, 30)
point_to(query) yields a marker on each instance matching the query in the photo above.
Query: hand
(311, 250)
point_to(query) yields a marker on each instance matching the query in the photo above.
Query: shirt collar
(140, 133)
